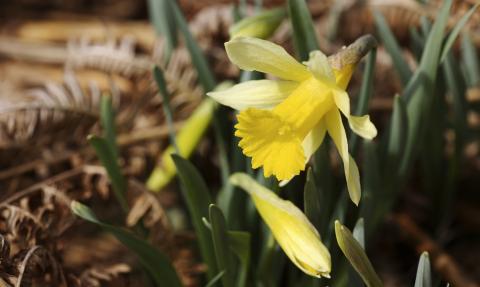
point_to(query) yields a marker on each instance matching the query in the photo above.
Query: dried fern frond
(39, 115)
(105, 276)
(111, 57)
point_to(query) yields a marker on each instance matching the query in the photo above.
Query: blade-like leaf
(424, 276)
(393, 48)
(239, 243)
(197, 197)
(456, 31)
(205, 76)
(163, 91)
(359, 232)
(109, 161)
(304, 36)
(163, 21)
(471, 61)
(221, 246)
(419, 104)
(215, 279)
(155, 262)
(107, 116)
(312, 200)
(397, 138)
(357, 257)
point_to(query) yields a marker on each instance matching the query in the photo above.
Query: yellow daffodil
(282, 122)
(290, 227)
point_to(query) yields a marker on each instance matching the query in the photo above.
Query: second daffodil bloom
(290, 227)
(282, 122)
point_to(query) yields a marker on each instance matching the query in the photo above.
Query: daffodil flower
(282, 122)
(290, 227)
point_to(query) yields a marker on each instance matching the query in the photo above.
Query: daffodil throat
(274, 138)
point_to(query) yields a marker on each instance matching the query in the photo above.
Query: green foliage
(106, 150)
(163, 91)
(304, 36)
(155, 262)
(354, 252)
(197, 196)
(423, 278)
(162, 19)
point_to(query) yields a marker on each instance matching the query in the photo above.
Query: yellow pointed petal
(255, 54)
(260, 94)
(290, 227)
(363, 126)
(360, 125)
(342, 100)
(270, 143)
(337, 132)
(318, 65)
(314, 139)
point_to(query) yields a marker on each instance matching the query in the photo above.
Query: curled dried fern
(56, 111)
(111, 57)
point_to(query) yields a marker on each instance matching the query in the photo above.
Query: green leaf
(359, 232)
(205, 76)
(397, 138)
(471, 61)
(418, 107)
(239, 243)
(163, 21)
(356, 255)
(456, 31)
(312, 200)
(215, 279)
(364, 96)
(354, 279)
(109, 161)
(304, 36)
(424, 277)
(457, 87)
(393, 48)
(107, 116)
(374, 196)
(155, 262)
(221, 246)
(197, 197)
(163, 91)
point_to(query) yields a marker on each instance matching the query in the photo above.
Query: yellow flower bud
(290, 227)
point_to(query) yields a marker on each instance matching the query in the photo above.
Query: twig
(442, 261)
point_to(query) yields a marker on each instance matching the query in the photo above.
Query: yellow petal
(318, 65)
(260, 94)
(363, 126)
(255, 54)
(342, 100)
(290, 227)
(343, 76)
(360, 125)
(314, 139)
(337, 132)
(270, 142)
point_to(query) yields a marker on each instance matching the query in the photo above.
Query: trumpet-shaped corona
(282, 122)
